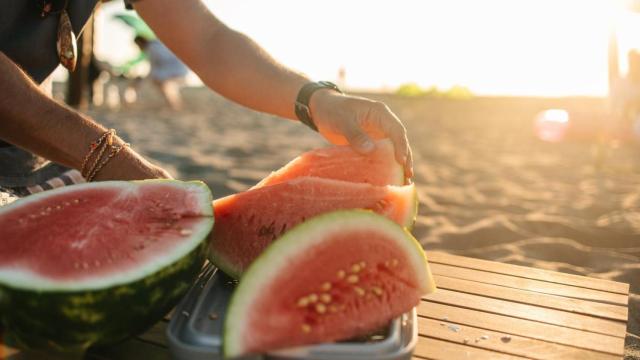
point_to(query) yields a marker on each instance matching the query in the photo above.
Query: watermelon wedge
(94, 263)
(343, 163)
(247, 222)
(336, 276)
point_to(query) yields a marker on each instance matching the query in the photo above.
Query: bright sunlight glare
(493, 47)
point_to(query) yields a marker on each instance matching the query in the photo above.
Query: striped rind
(47, 316)
(28, 280)
(275, 259)
(64, 321)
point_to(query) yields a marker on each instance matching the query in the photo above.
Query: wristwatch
(302, 101)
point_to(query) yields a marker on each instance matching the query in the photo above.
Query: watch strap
(302, 110)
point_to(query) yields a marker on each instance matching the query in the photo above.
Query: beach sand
(488, 187)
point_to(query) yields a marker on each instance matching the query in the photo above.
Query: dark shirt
(30, 41)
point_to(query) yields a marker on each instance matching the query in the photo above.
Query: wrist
(318, 98)
(129, 165)
(305, 96)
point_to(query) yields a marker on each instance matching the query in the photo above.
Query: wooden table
(484, 310)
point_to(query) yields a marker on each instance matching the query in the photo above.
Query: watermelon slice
(336, 276)
(342, 163)
(94, 263)
(247, 222)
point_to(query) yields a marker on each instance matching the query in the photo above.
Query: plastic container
(195, 330)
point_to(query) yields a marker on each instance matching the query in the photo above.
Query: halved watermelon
(336, 276)
(343, 163)
(247, 222)
(94, 263)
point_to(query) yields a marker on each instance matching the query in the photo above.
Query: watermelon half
(247, 222)
(343, 163)
(336, 276)
(95, 263)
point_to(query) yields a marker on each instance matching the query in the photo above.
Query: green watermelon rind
(412, 208)
(62, 321)
(29, 281)
(69, 319)
(303, 236)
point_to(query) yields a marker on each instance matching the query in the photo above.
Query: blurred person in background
(166, 72)
(45, 144)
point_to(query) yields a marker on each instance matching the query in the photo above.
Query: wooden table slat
(528, 272)
(529, 312)
(156, 335)
(430, 348)
(591, 308)
(520, 327)
(508, 344)
(528, 284)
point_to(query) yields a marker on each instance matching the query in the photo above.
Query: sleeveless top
(30, 41)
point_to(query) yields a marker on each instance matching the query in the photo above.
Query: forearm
(31, 120)
(249, 75)
(228, 62)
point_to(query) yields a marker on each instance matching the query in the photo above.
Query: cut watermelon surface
(336, 276)
(247, 222)
(343, 163)
(93, 263)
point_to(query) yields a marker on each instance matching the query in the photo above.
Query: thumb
(358, 139)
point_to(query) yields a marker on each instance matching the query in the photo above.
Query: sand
(488, 187)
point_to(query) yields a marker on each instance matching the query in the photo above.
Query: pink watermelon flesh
(95, 231)
(247, 222)
(343, 163)
(349, 281)
(341, 321)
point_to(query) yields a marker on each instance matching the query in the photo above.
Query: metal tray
(195, 330)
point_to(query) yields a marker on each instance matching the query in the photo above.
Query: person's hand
(344, 119)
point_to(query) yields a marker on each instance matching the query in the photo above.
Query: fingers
(393, 128)
(408, 165)
(357, 138)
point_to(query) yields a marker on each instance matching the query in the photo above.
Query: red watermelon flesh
(247, 222)
(343, 163)
(337, 276)
(98, 233)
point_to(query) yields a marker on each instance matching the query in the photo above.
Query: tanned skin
(227, 61)
(33, 121)
(234, 66)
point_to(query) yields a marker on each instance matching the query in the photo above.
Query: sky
(493, 47)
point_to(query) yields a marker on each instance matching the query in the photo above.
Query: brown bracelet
(104, 142)
(92, 148)
(114, 151)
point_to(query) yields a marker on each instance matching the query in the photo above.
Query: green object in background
(139, 26)
(126, 67)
